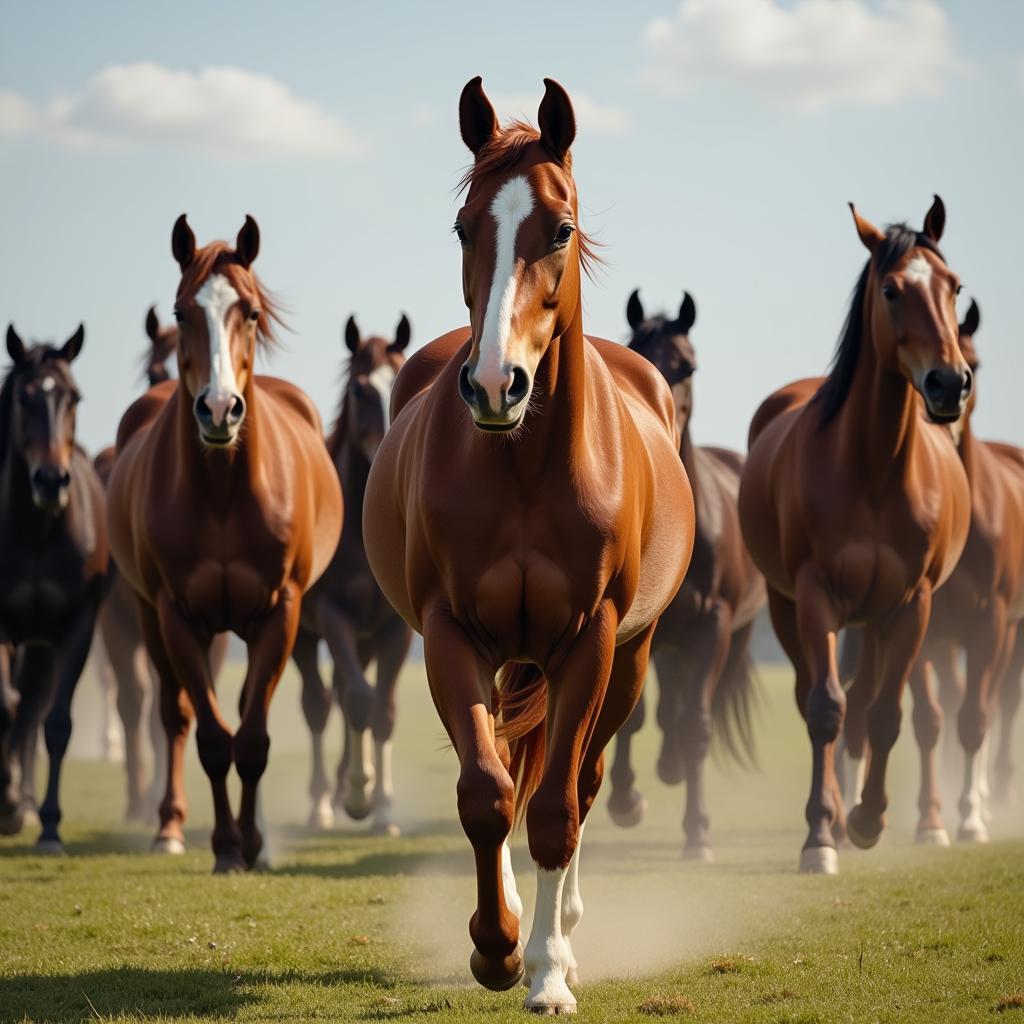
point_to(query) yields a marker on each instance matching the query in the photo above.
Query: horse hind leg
(626, 804)
(392, 647)
(927, 719)
(1009, 703)
(316, 707)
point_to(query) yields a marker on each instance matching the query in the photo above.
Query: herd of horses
(531, 500)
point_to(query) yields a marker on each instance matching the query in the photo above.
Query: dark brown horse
(701, 648)
(53, 567)
(346, 608)
(978, 610)
(855, 508)
(529, 514)
(224, 509)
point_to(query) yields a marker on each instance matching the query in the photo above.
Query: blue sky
(719, 143)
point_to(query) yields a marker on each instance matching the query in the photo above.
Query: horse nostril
(519, 389)
(202, 410)
(933, 386)
(466, 389)
(236, 409)
(966, 382)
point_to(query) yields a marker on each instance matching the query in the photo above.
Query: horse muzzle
(946, 392)
(51, 487)
(219, 417)
(498, 405)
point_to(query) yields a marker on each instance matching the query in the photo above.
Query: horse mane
(899, 240)
(219, 258)
(504, 150)
(35, 356)
(336, 437)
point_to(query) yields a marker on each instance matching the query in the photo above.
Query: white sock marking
(508, 882)
(855, 769)
(546, 957)
(510, 207)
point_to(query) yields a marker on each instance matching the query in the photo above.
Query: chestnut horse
(856, 508)
(54, 561)
(119, 652)
(346, 608)
(979, 610)
(529, 514)
(224, 509)
(701, 648)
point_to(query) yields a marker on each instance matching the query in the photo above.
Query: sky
(719, 142)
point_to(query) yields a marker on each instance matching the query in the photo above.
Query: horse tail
(523, 695)
(850, 654)
(735, 701)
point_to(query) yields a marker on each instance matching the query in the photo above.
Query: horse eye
(959, 288)
(254, 315)
(460, 232)
(564, 234)
(890, 292)
(178, 315)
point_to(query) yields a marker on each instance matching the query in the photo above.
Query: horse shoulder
(424, 366)
(143, 411)
(792, 396)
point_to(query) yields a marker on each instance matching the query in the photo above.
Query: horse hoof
(357, 810)
(50, 848)
(500, 975)
(322, 817)
(386, 828)
(975, 832)
(819, 860)
(572, 977)
(932, 837)
(170, 845)
(700, 854)
(553, 999)
(229, 864)
(862, 837)
(30, 818)
(11, 824)
(631, 815)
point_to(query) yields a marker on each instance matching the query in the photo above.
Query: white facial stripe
(383, 380)
(48, 384)
(216, 297)
(510, 207)
(918, 271)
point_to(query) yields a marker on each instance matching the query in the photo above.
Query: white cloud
(591, 117)
(807, 55)
(224, 112)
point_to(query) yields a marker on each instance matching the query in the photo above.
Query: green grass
(348, 927)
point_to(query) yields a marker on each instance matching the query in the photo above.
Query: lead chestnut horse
(978, 610)
(529, 514)
(224, 509)
(856, 508)
(701, 648)
(346, 608)
(54, 561)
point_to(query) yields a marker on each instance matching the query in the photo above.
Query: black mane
(899, 240)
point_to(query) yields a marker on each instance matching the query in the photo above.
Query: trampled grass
(350, 927)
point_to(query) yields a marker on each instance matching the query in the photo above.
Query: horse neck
(879, 419)
(221, 472)
(967, 445)
(688, 454)
(353, 471)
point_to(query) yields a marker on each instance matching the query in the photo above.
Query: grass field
(349, 927)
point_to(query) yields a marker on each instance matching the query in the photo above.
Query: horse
(54, 559)
(347, 609)
(224, 508)
(856, 507)
(701, 648)
(528, 513)
(979, 609)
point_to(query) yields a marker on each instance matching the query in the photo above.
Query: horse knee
(486, 801)
(251, 754)
(316, 705)
(57, 731)
(214, 752)
(826, 707)
(884, 726)
(928, 719)
(695, 728)
(972, 724)
(553, 827)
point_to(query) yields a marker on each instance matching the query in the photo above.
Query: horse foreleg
(927, 729)
(391, 647)
(355, 696)
(10, 793)
(462, 687)
(986, 645)
(269, 650)
(316, 707)
(899, 644)
(626, 804)
(1009, 704)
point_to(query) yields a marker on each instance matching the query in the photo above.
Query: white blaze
(510, 207)
(918, 271)
(383, 380)
(216, 298)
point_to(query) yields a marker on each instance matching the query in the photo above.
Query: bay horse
(528, 513)
(123, 666)
(978, 610)
(347, 609)
(701, 648)
(224, 509)
(856, 507)
(54, 560)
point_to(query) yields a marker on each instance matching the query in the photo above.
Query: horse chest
(227, 595)
(39, 589)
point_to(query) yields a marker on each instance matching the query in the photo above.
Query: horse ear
(634, 310)
(247, 245)
(15, 346)
(152, 324)
(687, 313)
(869, 234)
(972, 321)
(556, 119)
(402, 335)
(352, 335)
(73, 345)
(478, 123)
(935, 219)
(183, 243)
